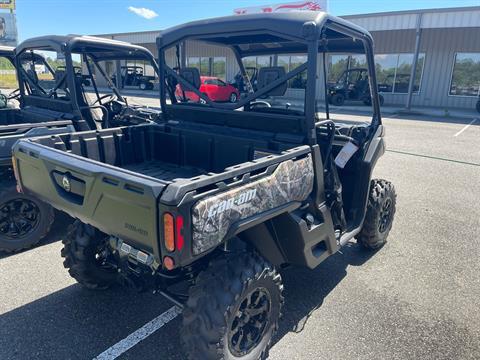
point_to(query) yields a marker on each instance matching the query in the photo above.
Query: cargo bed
(16, 124)
(118, 179)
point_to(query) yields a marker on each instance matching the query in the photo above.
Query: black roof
(286, 32)
(99, 48)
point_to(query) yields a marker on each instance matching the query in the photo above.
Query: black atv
(207, 205)
(353, 84)
(133, 76)
(54, 101)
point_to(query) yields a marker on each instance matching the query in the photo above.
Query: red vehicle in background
(215, 88)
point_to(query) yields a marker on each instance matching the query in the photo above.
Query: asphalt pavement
(416, 298)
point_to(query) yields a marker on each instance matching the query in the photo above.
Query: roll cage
(92, 50)
(312, 33)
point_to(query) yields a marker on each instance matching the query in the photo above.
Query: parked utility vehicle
(353, 85)
(53, 99)
(133, 76)
(215, 199)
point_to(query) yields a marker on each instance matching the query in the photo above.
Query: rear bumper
(112, 201)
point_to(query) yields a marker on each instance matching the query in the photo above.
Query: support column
(118, 73)
(418, 38)
(183, 54)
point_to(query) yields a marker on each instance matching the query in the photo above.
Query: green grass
(8, 81)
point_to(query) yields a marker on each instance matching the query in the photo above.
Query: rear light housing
(179, 239)
(169, 231)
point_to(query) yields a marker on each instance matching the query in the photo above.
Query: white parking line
(465, 128)
(139, 335)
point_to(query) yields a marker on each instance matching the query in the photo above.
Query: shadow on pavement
(305, 290)
(76, 323)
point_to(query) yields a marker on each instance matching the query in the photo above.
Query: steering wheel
(260, 104)
(110, 97)
(14, 95)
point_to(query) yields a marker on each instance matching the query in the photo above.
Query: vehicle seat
(33, 80)
(33, 76)
(268, 75)
(91, 116)
(361, 86)
(192, 75)
(60, 80)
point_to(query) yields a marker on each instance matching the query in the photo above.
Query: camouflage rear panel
(213, 216)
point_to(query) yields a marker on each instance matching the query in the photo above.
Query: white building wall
(439, 46)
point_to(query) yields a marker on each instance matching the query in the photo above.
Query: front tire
(81, 250)
(233, 309)
(380, 214)
(338, 100)
(24, 220)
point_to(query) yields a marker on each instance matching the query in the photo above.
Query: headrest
(60, 79)
(32, 75)
(268, 75)
(192, 75)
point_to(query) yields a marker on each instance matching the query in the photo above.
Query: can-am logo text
(228, 204)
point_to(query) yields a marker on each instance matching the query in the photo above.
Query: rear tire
(338, 100)
(233, 98)
(233, 309)
(380, 214)
(143, 86)
(80, 249)
(24, 220)
(478, 106)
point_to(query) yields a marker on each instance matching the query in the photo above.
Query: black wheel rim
(18, 218)
(385, 216)
(250, 322)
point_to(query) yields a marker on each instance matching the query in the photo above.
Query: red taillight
(179, 236)
(169, 231)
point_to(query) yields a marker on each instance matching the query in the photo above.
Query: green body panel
(114, 202)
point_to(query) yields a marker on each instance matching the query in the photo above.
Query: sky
(47, 17)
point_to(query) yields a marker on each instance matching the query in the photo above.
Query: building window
(209, 66)
(220, 67)
(336, 67)
(299, 81)
(394, 71)
(338, 64)
(257, 61)
(466, 75)
(290, 63)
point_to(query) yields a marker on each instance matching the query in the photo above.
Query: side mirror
(3, 101)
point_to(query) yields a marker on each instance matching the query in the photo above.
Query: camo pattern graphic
(212, 217)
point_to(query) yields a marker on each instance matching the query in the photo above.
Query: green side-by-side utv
(209, 204)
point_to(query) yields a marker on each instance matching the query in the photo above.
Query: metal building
(424, 57)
